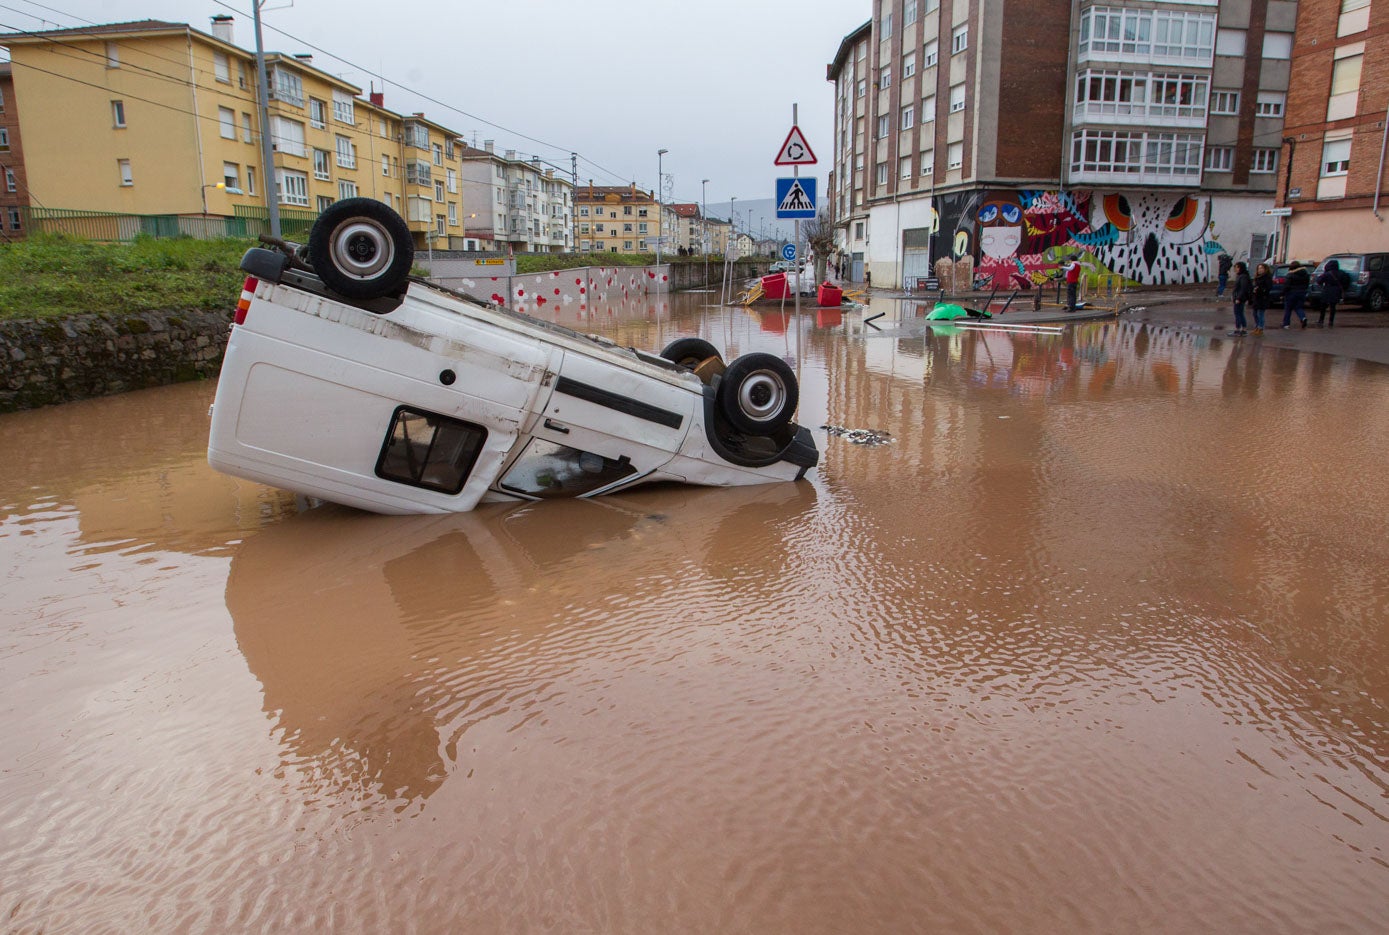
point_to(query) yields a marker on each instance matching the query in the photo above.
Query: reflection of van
(1369, 280)
(348, 380)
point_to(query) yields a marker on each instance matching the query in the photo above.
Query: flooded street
(1098, 643)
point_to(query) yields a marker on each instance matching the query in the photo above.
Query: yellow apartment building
(158, 118)
(616, 219)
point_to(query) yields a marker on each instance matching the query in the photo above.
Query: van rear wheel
(361, 248)
(689, 352)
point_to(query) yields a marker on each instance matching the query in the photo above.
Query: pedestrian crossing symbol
(795, 198)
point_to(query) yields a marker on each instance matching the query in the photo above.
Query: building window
(858, 230)
(1335, 157)
(10, 184)
(385, 165)
(954, 155)
(245, 127)
(583, 211)
(930, 6)
(908, 65)
(1355, 17)
(928, 109)
(1230, 42)
(1345, 87)
(1225, 102)
(14, 219)
(344, 108)
(959, 39)
(347, 189)
(417, 172)
(1265, 161)
(927, 162)
(417, 135)
(930, 53)
(250, 180)
(957, 97)
(439, 190)
(908, 117)
(881, 174)
(453, 181)
(1146, 34)
(1278, 45)
(1270, 104)
(226, 119)
(321, 161)
(453, 214)
(231, 175)
(318, 113)
(292, 187)
(862, 87)
(324, 202)
(347, 153)
(288, 87)
(118, 114)
(1128, 94)
(909, 12)
(883, 126)
(221, 67)
(113, 56)
(1136, 152)
(126, 177)
(627, 228)
(904, 167)
(439, 223)
(887, 25)
(288, 136)
(1220, 158)
(438, 151)
(885, 77)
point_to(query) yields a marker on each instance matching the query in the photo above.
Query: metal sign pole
(800, 257)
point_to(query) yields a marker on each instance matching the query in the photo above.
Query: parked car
(786, 266)
(1369, 280)
(1280, 279)
(349, 380)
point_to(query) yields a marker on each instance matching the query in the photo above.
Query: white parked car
(349, 380)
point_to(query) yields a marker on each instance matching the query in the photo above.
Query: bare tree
(819, 233)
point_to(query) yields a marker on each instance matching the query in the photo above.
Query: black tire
(1376, 300)
(361, 249)
(689, 352)
(758, 394)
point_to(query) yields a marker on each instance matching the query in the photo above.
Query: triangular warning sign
(795, 151)
(796, 199)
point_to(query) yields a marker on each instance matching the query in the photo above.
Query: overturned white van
(348, 380)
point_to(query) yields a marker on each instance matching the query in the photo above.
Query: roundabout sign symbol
(788, 252)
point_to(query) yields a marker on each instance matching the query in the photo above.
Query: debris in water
(859, 436)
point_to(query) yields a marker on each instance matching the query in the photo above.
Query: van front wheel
(758, 394)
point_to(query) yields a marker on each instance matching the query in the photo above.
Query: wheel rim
(362, 249)
(762, 396)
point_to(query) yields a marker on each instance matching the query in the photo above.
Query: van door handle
(554, 426)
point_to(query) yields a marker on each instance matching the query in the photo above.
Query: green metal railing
(108, 226)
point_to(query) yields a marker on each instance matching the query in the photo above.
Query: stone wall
(61, 360)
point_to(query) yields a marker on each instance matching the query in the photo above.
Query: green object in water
(944, 311)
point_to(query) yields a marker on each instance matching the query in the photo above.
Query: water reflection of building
(380, 642)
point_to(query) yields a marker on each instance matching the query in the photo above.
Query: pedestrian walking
(1333, 281)
(1222, 264)
(1295, 293)
(1244, 291)
(1072, 270)
(1263, 294)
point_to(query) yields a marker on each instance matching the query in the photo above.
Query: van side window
(424, 449)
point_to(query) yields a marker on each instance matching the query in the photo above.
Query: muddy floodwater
(1099, 642)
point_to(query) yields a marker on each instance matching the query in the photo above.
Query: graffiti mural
(1020, 238)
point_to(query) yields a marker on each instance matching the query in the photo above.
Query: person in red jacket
(1072, 271)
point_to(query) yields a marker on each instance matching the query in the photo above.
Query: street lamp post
(660, 214)
(704, 225)
(732, 225)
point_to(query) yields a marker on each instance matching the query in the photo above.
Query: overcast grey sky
(712, 81)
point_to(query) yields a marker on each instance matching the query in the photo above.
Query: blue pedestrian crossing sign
(795, 198)
(788, 252)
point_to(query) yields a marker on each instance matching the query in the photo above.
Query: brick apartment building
(1142, 136)
(13, 194)
(1337, 129)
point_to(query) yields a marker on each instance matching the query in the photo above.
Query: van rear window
(425, 449)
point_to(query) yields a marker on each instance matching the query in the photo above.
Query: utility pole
(267, 153)
(660, 219)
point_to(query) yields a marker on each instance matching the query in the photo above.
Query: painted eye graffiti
(988, 214)
(1183, 213)
(1117, 210)
(1012, 214)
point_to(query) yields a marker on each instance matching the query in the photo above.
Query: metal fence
(248, 223)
